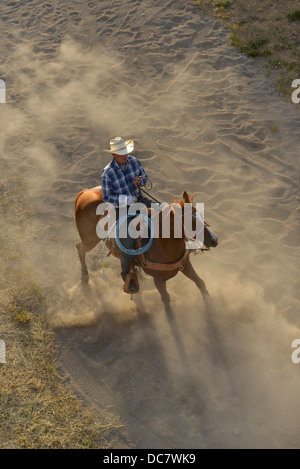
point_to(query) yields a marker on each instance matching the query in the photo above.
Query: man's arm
(142, 174)
(108, 195)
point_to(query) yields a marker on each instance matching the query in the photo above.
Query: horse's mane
(180, 202)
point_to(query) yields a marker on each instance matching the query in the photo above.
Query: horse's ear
(186, 198)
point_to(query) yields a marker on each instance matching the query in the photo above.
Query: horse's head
(210, 239)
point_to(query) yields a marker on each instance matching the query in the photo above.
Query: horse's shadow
(132, 358)
(135, 364)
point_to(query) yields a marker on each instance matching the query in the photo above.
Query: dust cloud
(205, 376)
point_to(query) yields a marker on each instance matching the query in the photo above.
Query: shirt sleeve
(142, 174)
(107, 192)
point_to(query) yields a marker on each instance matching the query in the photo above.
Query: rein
(149, 195)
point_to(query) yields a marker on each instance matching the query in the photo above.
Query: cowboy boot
(131, 284)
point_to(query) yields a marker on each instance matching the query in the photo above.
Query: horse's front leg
(84, 270)
(161, 286)
(192, 274)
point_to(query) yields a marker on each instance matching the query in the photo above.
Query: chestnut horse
(164, 258)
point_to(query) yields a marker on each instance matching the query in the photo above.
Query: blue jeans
(128, 242)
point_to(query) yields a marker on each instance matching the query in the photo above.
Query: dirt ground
(205, 118)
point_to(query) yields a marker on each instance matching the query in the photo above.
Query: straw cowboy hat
(119, 146)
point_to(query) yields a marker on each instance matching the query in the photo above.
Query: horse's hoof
(84, 277)
(169, 312)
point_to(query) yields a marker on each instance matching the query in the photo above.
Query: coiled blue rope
(131, 252)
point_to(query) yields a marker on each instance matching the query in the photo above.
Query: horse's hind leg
(191, 274)
(84, 270)
(162, 288)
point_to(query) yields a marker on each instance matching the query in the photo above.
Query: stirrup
(131, 284)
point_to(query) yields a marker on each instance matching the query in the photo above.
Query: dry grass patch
(267, 30)
(37, 409)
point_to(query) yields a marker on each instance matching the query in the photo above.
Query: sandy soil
(204, 119)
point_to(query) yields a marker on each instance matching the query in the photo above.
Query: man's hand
(137, 181)
(126, 200)
(131, 199)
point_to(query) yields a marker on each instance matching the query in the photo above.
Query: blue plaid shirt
(118, 179)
